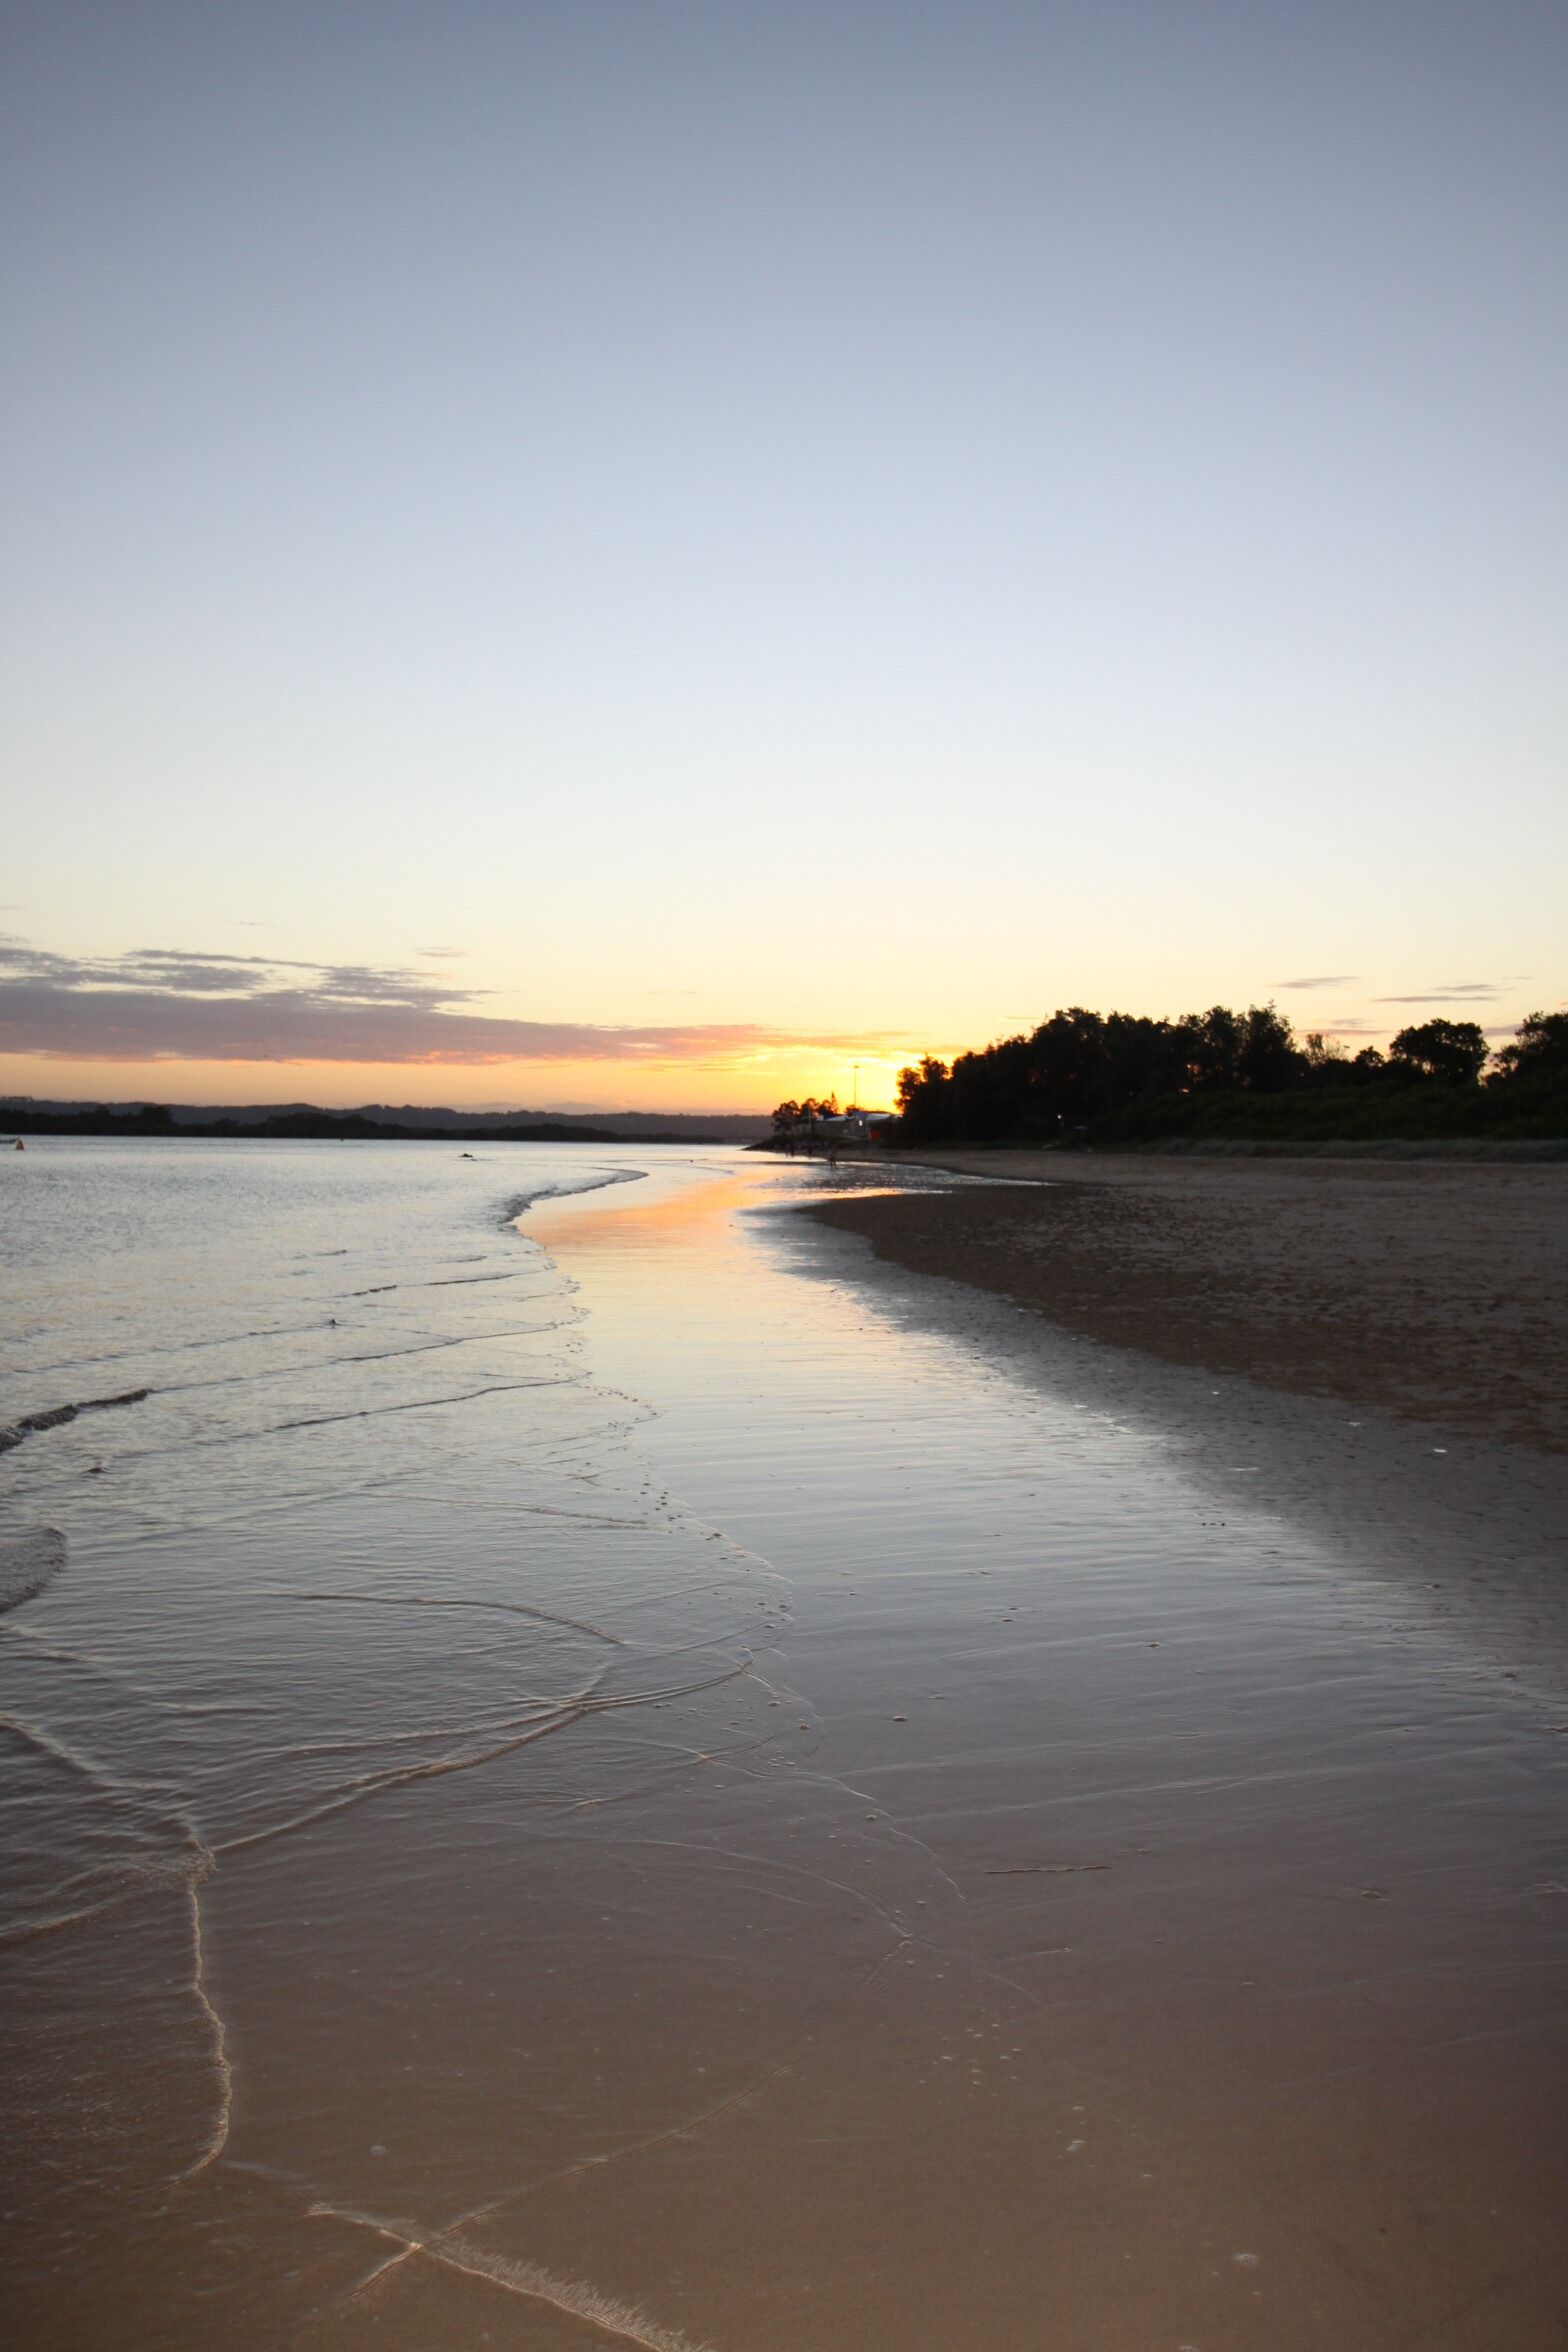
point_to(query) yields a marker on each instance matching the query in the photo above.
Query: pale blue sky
(856, 521)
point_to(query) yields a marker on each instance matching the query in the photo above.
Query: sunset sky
(646, 553)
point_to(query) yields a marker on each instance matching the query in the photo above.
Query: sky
(627, 553)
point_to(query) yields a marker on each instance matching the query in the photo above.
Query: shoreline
(1434, 1290)
(1468, 1526)
(762, 1756)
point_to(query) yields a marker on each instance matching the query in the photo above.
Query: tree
(923, 1100)
(1214, 1042)
(1323, 1052)
(1266, 1059)
(1450, 1051)
(1539, 1049)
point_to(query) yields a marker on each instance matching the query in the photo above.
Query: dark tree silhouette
(1451, 1051)
(1122, 1078)
(1539, 1049)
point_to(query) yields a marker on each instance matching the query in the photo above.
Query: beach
(590, 1762)
(1437, 1290)
(631, 1718)
(1378, 1349)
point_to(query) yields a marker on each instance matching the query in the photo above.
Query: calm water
(567, 1781)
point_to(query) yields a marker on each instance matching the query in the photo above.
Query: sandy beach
(1430, 1289)
(1377, 1350)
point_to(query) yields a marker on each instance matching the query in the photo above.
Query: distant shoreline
(328, 1131)
(307, 1122)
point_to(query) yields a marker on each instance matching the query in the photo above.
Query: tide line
(218, 2139)
(610, 2314)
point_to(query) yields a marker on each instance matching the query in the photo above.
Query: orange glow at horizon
(753, 1081)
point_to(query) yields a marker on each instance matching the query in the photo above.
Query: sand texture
(1434, 1291)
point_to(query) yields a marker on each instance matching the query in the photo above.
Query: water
(568, 1781)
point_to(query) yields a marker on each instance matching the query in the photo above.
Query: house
(840, 1129)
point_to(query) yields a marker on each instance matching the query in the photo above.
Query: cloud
(180, 972)
(1448, 992)
(161, 1004)
(1318, 980)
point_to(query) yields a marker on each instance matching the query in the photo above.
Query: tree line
(1125, 1078)
(791, 1114)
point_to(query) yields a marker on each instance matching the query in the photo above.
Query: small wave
(180, 1347)
(121, 1882)
(222, 2066)
(386, 1355)
(452, 1281)
(31, 1424)
(541, 1722)
(431, 1601)
(464, 1396)
(523, 1201)
(27, 1562)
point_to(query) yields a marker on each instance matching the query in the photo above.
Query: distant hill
(32, 1115)
(633, 1126)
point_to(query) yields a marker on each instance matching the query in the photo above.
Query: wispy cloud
(179, 971)
(1318, 980)
(1448, 992)
(166, 1004)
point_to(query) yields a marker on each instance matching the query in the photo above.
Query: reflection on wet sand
(737, 1822)
(1250, 2021)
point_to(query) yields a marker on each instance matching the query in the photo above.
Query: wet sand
(1434, 1290)
(1379, 1351)
(1224, 2003)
